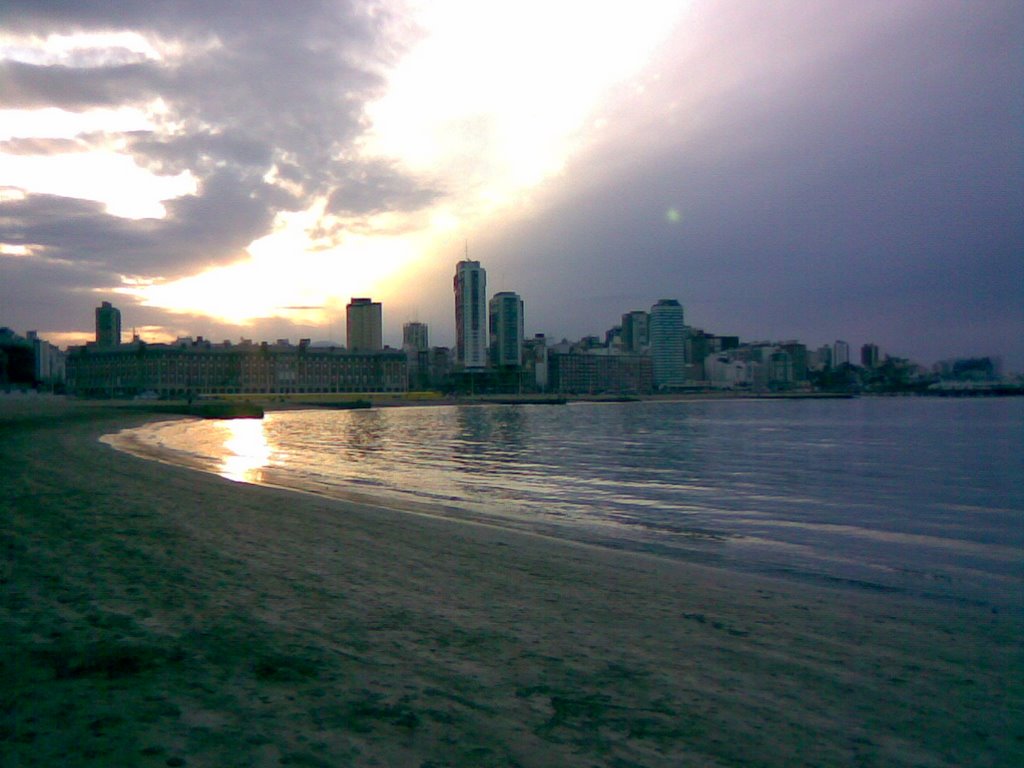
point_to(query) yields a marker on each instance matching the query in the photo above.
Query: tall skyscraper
(414, 337)
(506, 320)
(635, 331)
(363, 325)
(869, 355)
(470, 315)
(668, 350)
(108, 325)
(840, 354)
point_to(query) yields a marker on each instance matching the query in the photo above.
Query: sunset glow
(485, 133)
(225, 171)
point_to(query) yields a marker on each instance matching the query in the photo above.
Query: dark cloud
(834, 169)
(39, 294)
(33, 86)
(200, 151)
(854, 172)
(66, 229)
(377, 186)
(198, 231)
(260, 91)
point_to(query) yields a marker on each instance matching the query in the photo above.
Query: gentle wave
(904, 494)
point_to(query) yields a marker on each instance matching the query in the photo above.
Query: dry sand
(155, 616)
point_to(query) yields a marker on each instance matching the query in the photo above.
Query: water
(916, 495)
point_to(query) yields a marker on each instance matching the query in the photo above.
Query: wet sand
(153, 616)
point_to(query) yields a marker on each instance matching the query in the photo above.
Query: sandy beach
(152, 615)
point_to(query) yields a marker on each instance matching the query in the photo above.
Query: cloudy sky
(788, 169)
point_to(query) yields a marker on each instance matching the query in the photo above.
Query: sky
(786, 170)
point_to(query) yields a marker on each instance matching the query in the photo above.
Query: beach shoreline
(155, 614)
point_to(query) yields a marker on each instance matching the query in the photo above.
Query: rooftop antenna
(467, 249)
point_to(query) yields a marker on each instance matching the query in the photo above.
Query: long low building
(202, 368)
(594, 373)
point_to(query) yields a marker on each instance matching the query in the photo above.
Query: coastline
(153, 613)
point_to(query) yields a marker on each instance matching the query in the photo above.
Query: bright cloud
(498, 95)
(224, 163)
(108, 177)
(98, 170)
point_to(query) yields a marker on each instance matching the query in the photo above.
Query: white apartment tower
(668, 345)
(506, 320)
(470, 315)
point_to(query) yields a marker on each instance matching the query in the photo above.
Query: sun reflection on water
(246, 450)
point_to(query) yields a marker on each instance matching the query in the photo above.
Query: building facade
(471, 335)
(108, 325)
(840, 354)
(869, 355)
(202, 368)
(363, 325)
(49, 362)
(594, 373)
(506, 330)
(535, 362)
(667, 340)
(415, 337)
(634, 335)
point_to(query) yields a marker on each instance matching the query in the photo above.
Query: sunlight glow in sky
(491, 103)
(222, 171)
(466, 107)
(497, 99)
(266, 283)
(108, 177)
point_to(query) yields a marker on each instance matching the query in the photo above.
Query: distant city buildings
(48, 363)
(647, 352)
(535, 362)
(416, 345)
(593, 371)
(667, 344)
(363, 325)
(840, 354)
(29, 362)
(869, 356)
(199, 367)
(108, 325)
(415, 337)
(16, 361)
(634, 331)
(506, 330)
(471, 336)
(970, 369)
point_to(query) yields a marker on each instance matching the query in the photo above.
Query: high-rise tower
(415, 337)
(668, 345)
(506, 319)
(634, 331)
(869, 355)
(363, 325)
(470, 315)
(108, 325)
(840, 354)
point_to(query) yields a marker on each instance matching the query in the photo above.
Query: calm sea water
(909, 494)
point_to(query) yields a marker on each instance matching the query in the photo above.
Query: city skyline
(363, 332)
(865, 186)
